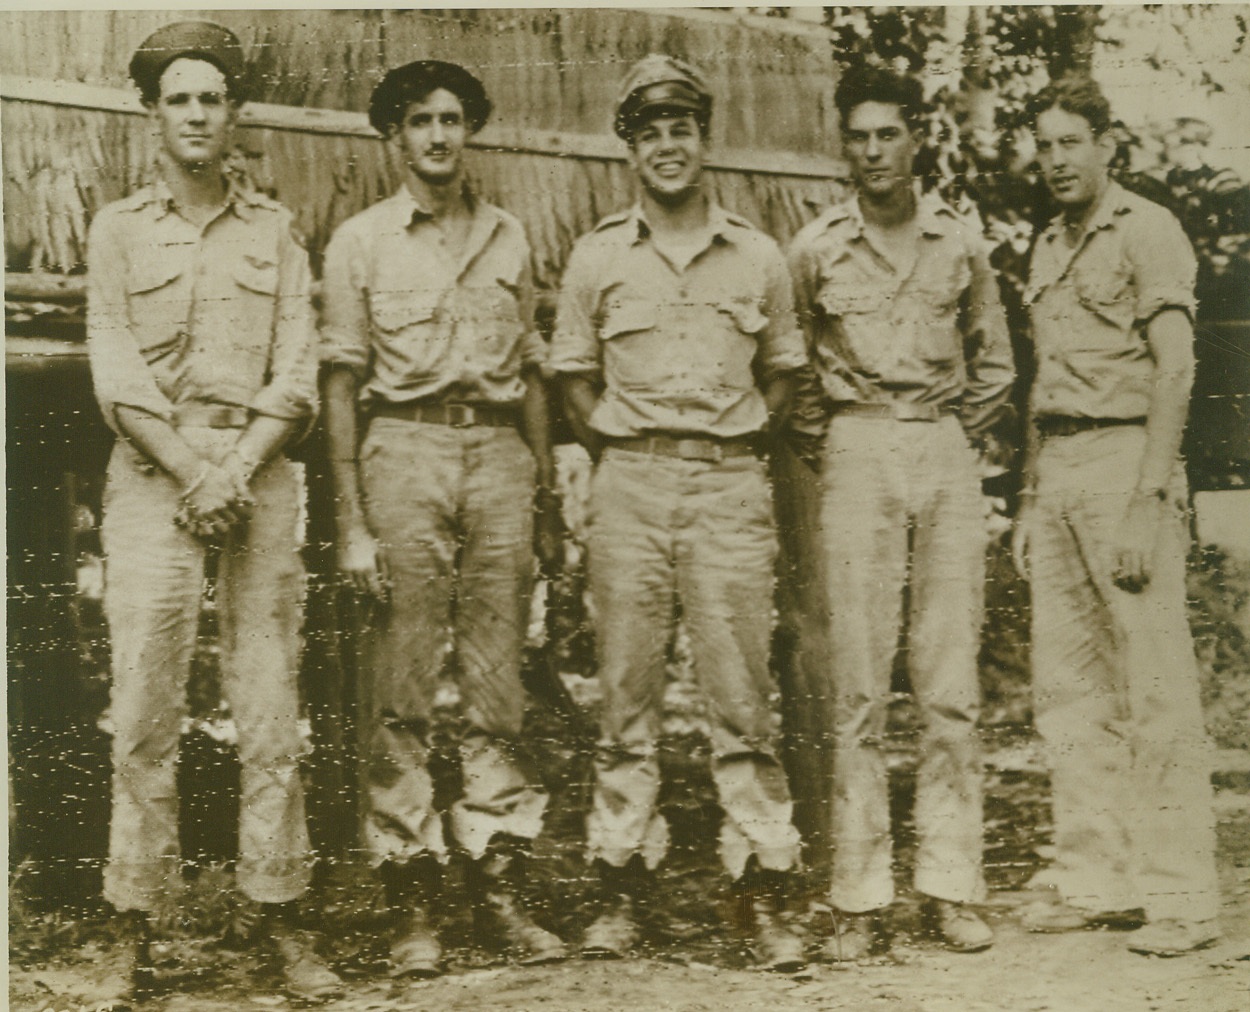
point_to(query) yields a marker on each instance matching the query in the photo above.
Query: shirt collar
(413, 212)
(933, 215)
(239, 198)
(720, 226)
(1111, 206)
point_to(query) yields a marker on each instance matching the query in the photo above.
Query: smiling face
(1073, 158)
(193, 113)
(880, 149)
(432, 137)
(667, 151)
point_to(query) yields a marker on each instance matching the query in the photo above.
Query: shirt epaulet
(737, 219)
(255, 199)
(137, 201)
(612, 220)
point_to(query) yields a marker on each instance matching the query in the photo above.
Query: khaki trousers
(155, 580)
(664, 530)
(903, 507)
(1116, 692)
(452, 510)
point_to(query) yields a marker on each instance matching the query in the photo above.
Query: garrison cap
(656, 82)
(413, 81)
(204, 40)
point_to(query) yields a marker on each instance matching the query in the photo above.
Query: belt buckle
(221, 417)
(906, 412)
(460, 416)
(700, 449)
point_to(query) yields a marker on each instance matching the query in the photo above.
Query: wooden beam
(342, 123)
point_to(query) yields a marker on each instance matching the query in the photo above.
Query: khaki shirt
(1089, 306)
(414, 322)
(678, 350)
(937, 336)
(178, 315)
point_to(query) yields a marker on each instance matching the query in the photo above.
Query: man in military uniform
(203, 355)
(910, 348)
(676, 338)
(434, 360)
(1103, 537)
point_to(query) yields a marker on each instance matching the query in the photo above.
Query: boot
(762, 902)
(494, 883)
(305, 974)
(959, 927)
(411, 891)
(856, 936)
(614, 933)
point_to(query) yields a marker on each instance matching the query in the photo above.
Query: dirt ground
(694, 958)
(64, 955)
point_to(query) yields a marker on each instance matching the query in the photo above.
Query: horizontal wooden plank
(342, 123)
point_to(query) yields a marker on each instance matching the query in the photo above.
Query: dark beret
(413, 81)
(200, 39)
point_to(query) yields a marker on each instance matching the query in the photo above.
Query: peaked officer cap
(656, 82)
(203, 40)
(414, 81)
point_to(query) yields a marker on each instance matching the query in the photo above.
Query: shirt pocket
(492, 312)
(855, 312)
(1107, 292)
(632, 355)
(158, 306)
(746, 315)
(253, 305)
(933, 321)
(395, 311)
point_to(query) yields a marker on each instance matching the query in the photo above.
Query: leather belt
(705, 448)
(1049, 426)
(458, 416)
(899, 411)
(211, 416)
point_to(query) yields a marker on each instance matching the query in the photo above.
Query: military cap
(413, 81)
(658, 81)
(203, 40)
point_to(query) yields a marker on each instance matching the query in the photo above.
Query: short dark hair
(415, 82)
(150, 89)
(876, 84)
(1077, 95)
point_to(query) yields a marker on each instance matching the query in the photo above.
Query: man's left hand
(1133, 545)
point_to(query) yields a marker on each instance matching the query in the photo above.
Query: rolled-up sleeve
(991, 367)
(119, 372)
(1164, 267)
(575, 343)
(782, 346)
(291, 392)
(345, 305)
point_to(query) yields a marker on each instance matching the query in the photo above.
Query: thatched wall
(552, 74)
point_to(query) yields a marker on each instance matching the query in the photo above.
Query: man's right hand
(215, 502)
(1021, 535)
(362, 564)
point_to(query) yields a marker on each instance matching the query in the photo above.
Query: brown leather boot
(614, 933)
(775, 943)
(411, 891)
(306, 976)
(494, 884)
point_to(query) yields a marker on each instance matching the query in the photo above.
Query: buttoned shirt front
(1089, 305)
(416, 322)
(678, 350)
(179, 314)
(936, 336)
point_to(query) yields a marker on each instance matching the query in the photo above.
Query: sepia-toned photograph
(620, 508)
